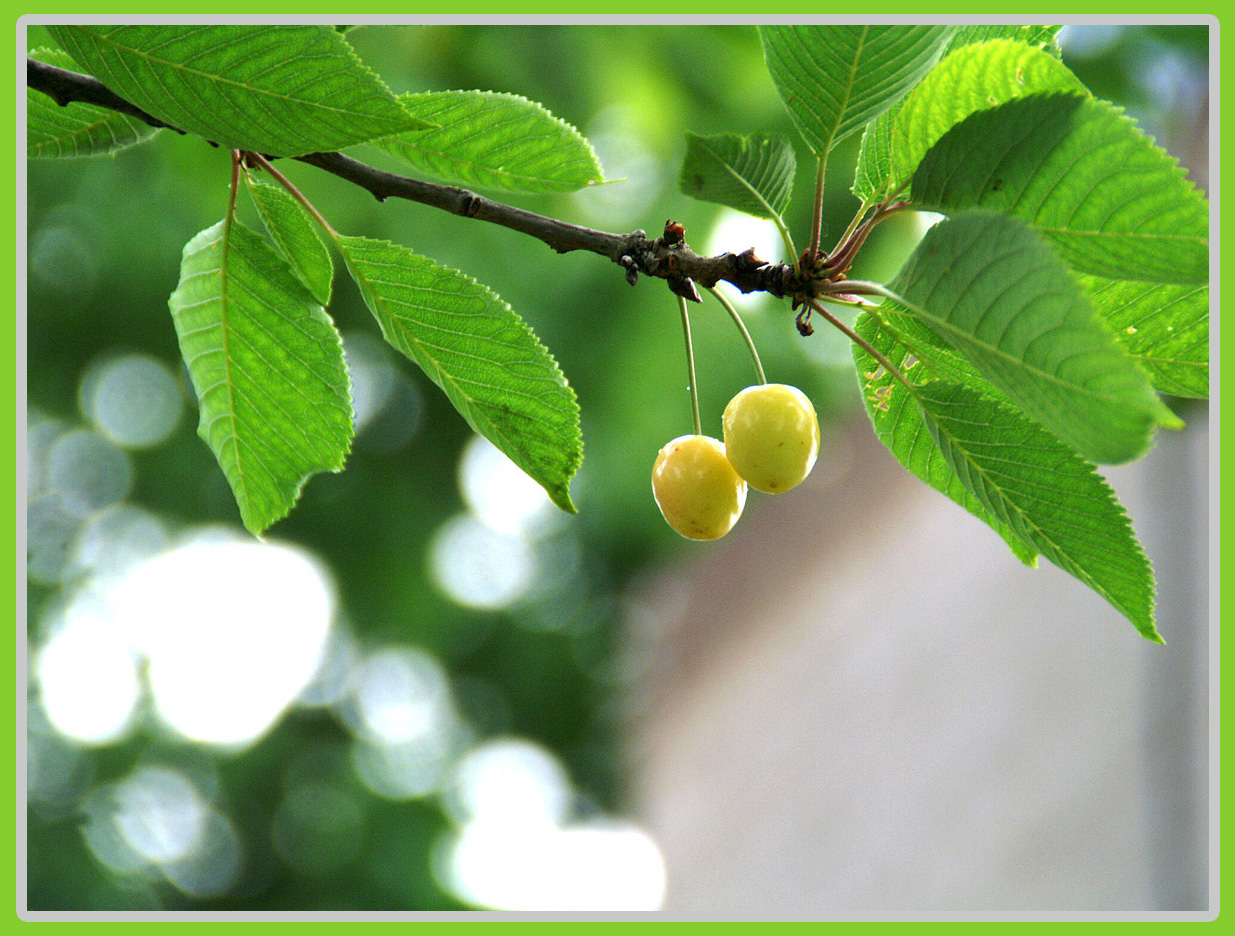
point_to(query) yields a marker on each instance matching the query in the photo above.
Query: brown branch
(667, 257)
(65, 87)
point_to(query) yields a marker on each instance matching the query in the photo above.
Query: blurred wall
(863, 702)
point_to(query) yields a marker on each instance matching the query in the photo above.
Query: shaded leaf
(752, 173)
(494, 141)
(1111, 202)
(277, 90)
(991, 288)
(295, 236)
(470, 343)
(834, 79)
(267, 366)
(76, 130)
(872, 176)
(1165, 326)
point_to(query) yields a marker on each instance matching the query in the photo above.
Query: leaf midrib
(473, 405)
(225, 332)
(953, 330)
(848, 88)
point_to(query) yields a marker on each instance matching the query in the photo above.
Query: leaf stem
(864, 344)
(737, 320)
(853, 225)
(690, 366)
(294, 192)
(816, 225)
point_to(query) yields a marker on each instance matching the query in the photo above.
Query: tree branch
(64, 87)
(667, 257)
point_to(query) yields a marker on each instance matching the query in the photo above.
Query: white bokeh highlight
(517, 848)
(232, 632)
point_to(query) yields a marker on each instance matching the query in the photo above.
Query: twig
(660, 257)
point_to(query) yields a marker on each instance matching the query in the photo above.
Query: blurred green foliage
(101, 284)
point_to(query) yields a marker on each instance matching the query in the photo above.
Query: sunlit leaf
(1043, 37)
(1111, 202)
(75, 130)
(1164, 325)
(1049, 496)
(873, 177)
(277, 90)
(470, 343)
(494, 141)
(899, 425)
(267, 366)
(972, 78)
(295, 236)
(993, 289)
(753, 173)
(835, 78)
(1011, 474)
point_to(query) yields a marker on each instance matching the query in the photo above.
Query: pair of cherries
(771, 441)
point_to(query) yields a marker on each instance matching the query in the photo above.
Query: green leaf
(1042, 37)
(1045, 493)
(267, 366)
(834, 79)
(972, 78)
(277, 90)
(873, 176)
(1008, 472)
(752, 173)
(470, 343)
(900, 427)
(990, 287)
(495, 141)
(1165, 326)
(295, 236)
(1111, 202)
(76, 130)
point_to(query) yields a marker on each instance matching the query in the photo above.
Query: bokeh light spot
(588, 867)
(371, 373)
(233, 631)
(510, 780)
(134, 400)
(500, 493)
(401, 695)
(479, 567)
(84, 465)
(87, 675)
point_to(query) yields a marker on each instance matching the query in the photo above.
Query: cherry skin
(771, 436)
(698, 492)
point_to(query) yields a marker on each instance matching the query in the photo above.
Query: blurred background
(429, 690)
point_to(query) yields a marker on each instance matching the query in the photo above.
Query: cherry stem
(690, 366)
(737, 320)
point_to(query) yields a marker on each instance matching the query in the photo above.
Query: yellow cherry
(696, 488)
(771, 436)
